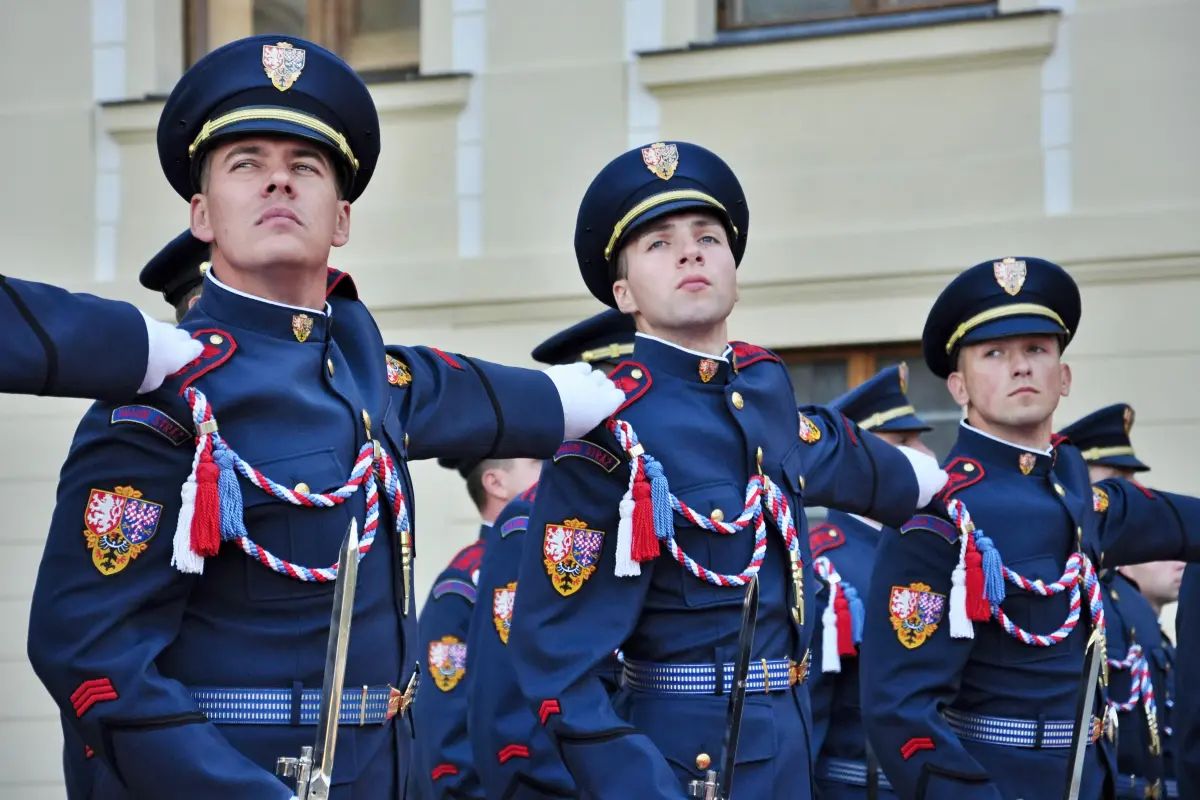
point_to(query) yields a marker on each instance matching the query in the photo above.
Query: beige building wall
(877, 165)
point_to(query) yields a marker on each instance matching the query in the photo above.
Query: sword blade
(335, 665)
(1082, 734)
(737, 697)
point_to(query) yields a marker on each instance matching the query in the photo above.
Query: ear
(957, 384)
(341, 225)
(626, 302)
(1066, 379)
(493, 483)
(200, 223)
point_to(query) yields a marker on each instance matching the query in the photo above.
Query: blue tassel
(660, 498)
(993, 569)
(857, 612)
(233, 524)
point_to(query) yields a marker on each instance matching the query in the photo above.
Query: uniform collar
(659, 355)
(277, 320)
(999, 454)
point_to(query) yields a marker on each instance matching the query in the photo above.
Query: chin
(282, 249)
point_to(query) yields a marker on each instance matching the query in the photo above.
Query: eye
(1036, 348)
(656, 243)
(306, 167)
(241, 164)
(710, 239)
(993, 353)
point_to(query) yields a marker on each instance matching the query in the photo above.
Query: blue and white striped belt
(1009, 732)
(766, 675)
(852, 773)
(1131, 787)
(363, 705)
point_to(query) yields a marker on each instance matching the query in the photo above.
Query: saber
(719, 786)
(313, 770)
(1081, 735)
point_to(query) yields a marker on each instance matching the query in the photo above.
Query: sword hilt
(707, 789)
(298, 769)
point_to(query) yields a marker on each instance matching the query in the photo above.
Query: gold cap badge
(661, 159)
(903, 378)
(1128, 420)
(283, 63)
(1010, 274)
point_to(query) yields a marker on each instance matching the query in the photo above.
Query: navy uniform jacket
(514, 756)
(442, 765)
(120, 638)
(69, 345)
(849, 543)
(705, 423)
(1034, 507)
(1129, 618)
(1185, 715)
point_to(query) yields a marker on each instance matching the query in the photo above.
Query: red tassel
(978, 607)
(645, 544)
(206, 521)
(845, 627)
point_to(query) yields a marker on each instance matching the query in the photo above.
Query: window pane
(767, 12)
(818, 381)
(372, 16)
(933, 402)
(286, 17)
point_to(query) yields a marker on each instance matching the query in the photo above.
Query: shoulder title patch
(745, 354)
(503, 598)
(155, 420)
(915, 612)
(571, 552)
(925, 522)
(1099, 499)
(458, 586)
(825, 537)
(447, 662)
(809, 432)
(588, 451)
(514, 525)
(963, 472)
(397, 372)
(118, 526)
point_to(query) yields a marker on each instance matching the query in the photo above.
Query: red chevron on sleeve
(548, 708)
(96, 690)
(442, 770)
(511, 751)
(916, 745)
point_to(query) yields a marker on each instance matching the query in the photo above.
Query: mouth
(278, 212)
(693, 283)
(1023, 390)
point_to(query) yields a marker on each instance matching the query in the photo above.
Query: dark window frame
(728, 17)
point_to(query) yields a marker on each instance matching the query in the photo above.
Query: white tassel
(626, 567)
(961, 626)
(830, 660)
(183, 557)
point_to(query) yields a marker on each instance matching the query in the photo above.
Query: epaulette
(962, 472)
(588, 451)
(458, 586)
(928, 522)
(219, 347)
(529, 495)
(1057, 438)
(631, 378)
(745, 354)
(469, 558)
(341, 284)
(825, 537)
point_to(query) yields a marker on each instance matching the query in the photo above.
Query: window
(734, 14)
(371, 35)
(822, 375)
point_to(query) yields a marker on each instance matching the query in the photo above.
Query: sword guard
(298, 769)
(707, 789)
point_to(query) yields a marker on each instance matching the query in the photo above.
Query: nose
(690, 252)
(279, 179)
(1021, 364)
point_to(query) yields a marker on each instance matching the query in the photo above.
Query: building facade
(883, 144)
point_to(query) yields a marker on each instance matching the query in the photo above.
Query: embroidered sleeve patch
(514, 525)
(588, 451)
(118, 524)
(571, 552)
(502, 606)
(925, 522)
(809, 432)
(455, 586)
(153, 419)
(397, 372)
(1099, 499)
(915, 613)
(825, 537)
(97, 690)
(447, 662)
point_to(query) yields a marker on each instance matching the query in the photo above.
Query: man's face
(680, 274)
(271, 202)
(907, 439)
(1158, 580)
(1015, 382)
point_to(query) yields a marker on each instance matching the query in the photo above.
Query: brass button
(406, 441)
(800, 480)
(1061, 491)
(736, 399)
(968, 467)
(636, 374)
(1114, 594)
(703, 761)
(302, 488)
(1078, 531)
(717, 515)
(367, 423)
(215, 339)
(329, 366)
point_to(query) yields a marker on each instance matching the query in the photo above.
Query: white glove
(588, 397)
(930, 476)
(170, 349)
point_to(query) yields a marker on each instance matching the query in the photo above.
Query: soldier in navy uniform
(843, 549)
(969, 678)
(514, 757)
(1140, 656)
(185, 664)
(443, 765)
(77, 345)
(1185, 715)
(644, 542)
(177, 272)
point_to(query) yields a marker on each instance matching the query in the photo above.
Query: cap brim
(1006, 327)
(274, 127)
(1122, 462)
(909, 423)
(673, 207)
